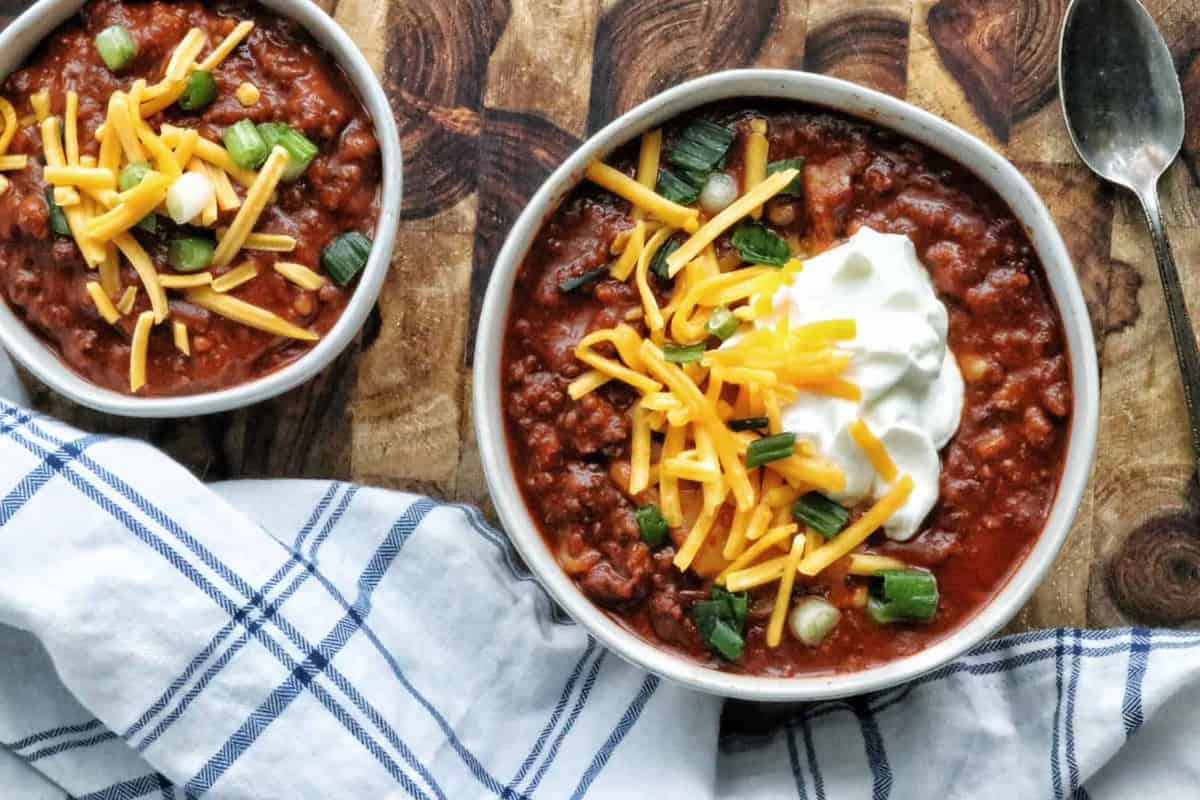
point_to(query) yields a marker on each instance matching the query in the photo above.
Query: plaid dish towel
(161, 638)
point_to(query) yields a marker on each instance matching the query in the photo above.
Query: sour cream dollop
(912, 390)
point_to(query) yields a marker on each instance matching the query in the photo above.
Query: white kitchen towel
(312, 640)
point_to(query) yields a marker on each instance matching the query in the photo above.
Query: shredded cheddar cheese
(102, 302)
(179, 332)
(624, 265)
(649, 154)
(240, 274)
(256, 200)
(40, 102)
(300, 275)
(139, 346)
(168, 281)
(646, 199)
(146, 272)
(71, 129)
(876, 453)
(9, 116)
(755, 170)
(227, 45)
(132, 206)
(128, 298)
(185, 54)
(784, 594)
(588, 382)
(869, 563)
(247, 314)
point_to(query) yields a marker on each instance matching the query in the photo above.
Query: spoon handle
(1177, 313)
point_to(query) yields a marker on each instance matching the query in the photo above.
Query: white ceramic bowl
(889, 113)
(19, 39)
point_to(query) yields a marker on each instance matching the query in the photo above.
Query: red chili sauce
(43, 276)
(1000, 472)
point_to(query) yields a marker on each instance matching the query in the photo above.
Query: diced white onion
(812, 619)
(719, 192)
(188, 197)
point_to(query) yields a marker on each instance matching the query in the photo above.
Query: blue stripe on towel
(271, 609)
(1139, 656)
(63, 747)
(626, 723)
(1055, 769)
(580, 703)
(551, 723)
(1072, 688)
(315, 664)
(877, 760)
(39, 476)
(131, 789)
(789, 732)
(810, 752)
(205, 654)
(53, 733)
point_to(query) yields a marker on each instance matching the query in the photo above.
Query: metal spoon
(1124, 111)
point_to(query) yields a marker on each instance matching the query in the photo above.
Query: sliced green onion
(200, 91)
(757, 244)
(117, 47)
(246, 145)
(345, 256)
(812, 619)
(58, 217)
(190, 253)
(652, 524)
(571, 284)
(748, 423)
(770, 448)
(684, 354)
(796, 187)
(903, 594)
(701, 146)
(132, 174)
(659, 264)
(149, 223)
(721, 323)
(721, 621)
(680, 186)
(821, 514)
(726, 641)
(301, 150)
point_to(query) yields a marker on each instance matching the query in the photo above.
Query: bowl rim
(885, 111)
(27, 348)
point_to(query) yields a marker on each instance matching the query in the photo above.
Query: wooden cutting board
(492, 94)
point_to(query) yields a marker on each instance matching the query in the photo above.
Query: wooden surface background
(492, 94)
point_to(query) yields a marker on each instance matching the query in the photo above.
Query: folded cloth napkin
(297, 640)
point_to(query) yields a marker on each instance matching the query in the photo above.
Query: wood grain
(865, 42)
(491, 95)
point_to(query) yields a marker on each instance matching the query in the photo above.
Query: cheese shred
(256, 200)
(103, 302)
(784, 594)
(139, 348)
(646, 199)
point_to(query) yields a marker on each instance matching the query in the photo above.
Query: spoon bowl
(1120, 93)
